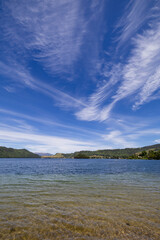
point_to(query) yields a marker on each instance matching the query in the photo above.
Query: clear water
(79, 199)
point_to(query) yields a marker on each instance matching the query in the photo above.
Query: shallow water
(79, 199)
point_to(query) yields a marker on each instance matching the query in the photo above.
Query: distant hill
(57, 155)
(114, 153)
(16, 153)
(147, 152)
(43, 154)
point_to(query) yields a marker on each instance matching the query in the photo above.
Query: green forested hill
(16, 153)
(148, 152)
(114, 153)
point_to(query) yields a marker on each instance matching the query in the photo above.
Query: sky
(79, 74)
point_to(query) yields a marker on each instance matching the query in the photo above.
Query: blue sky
(79, 74)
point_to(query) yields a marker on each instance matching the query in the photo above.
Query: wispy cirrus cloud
(96, 108)
(46, 143)
(23, 119)
(136, 13)
(20, 75)
(17, 125)
(141, 74)
(129, 138)
(120, 133)
(52, 32)
(119, 139)
(138, 77)
(128, 131)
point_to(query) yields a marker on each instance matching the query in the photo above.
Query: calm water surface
(90, 199)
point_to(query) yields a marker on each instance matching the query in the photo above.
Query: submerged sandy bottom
(79, 207)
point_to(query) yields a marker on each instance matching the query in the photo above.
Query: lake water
(91, 199)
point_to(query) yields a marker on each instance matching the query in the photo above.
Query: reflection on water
(79, 199)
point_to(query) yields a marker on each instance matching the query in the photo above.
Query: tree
(143, 154)
(81, 155)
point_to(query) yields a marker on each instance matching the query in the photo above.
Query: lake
(82, 199)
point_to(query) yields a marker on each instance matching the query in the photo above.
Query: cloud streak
(49, 32)
(22, 118)
(142, 69)
(96, 110)
(136, 13)
(45, 143)
(21, 75)
(138, 77)
(53, 32)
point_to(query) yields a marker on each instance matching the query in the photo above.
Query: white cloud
(52, 32)
(19, 74)
(54, 38)
(139, 76)
(141, 73)
(96, 110)
(9, 89)
(119, 140)
(17, 125)
(151, 85)
(45, 143)
(16, 72)
(144, 132)
(130, 131)
(120, 134)
(47, 31)
(53, 29)
(23, 120)
(135, 15)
